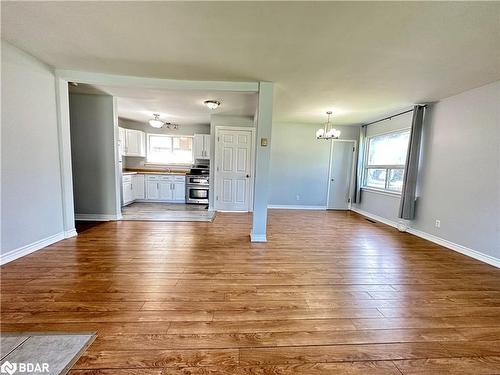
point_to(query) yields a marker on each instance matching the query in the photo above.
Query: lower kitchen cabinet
(127, 190)
(157, 188)
(165, 188)
(138, 186)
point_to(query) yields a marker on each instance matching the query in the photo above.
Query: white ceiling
(361, 59)
(178, 107)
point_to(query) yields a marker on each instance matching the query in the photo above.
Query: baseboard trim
(296, 207)
(437, 240)
(96, 217)
(258, 237)
(70, 233)
(376, 217)
(456, 247)
(30, 248)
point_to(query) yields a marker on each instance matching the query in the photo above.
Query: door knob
(332, 180)
(248, 176)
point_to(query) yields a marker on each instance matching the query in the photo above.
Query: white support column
(262, 157)
(62, 101)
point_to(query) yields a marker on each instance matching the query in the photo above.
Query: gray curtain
(408, 194)
(359, 170)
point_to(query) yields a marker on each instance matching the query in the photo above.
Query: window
(168, 149)
(385, 161)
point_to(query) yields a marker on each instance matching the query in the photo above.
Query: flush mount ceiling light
(327, 132)
(156, 122)
(212, 104)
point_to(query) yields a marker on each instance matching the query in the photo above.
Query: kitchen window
(169, 149)
(385, 161)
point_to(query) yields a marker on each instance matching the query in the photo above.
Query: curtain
(408, 193)
(360, 162)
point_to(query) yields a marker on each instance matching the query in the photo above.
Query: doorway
(234, 166)
(341, 174)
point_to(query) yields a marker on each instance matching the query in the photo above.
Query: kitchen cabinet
(138, 186)
(127, 190)
(165, 188)
(121, 142)
(179, 192)
(201, 146)
(132, 142)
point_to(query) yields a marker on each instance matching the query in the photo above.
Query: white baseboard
(30, 248)
(295, 207)
(456, 247)
(258, 237)
(437, 240)
(96, 217)
(70, 233)
(380, 219)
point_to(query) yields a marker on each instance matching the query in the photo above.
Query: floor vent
(371, 221)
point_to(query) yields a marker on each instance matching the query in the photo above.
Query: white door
(198, 146)
(166, 191)
(234, 153)
(179, 192)
(341, 171)
(135, 143)
(128, 193)
(152, 191)
(206, 146)
(138, 186)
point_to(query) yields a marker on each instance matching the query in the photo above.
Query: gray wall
(139, 162)
(299, 164)
(460, 173)
(31, 185)
(93, 154)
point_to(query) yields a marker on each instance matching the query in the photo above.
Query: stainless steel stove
(198, 185)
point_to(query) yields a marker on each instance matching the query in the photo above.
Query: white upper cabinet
(201, 146)
(121, 142)
(134, 143)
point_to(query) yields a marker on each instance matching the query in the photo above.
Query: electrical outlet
(297, 197)
(438, 223)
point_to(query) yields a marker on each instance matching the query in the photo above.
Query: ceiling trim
(154, 83)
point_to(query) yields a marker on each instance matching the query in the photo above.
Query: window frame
(147, 162)
(387, 167)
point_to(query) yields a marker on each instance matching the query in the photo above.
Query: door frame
(252, 164)
(353, 171)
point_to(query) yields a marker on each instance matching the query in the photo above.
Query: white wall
(93, 154)
(459, 182)
(299, 164)
(31, 185)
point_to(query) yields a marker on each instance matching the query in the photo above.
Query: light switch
(263, 142)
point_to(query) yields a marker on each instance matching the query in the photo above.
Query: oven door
(196, 194)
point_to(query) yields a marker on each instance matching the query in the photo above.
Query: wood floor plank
(199, 298)
(451, 366)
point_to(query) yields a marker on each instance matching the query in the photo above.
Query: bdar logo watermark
(23, 368)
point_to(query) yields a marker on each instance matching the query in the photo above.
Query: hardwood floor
(330, 293)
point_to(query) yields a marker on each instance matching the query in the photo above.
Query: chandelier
(327, 132)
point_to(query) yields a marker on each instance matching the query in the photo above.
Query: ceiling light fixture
(327, 132)
(156, 122)
(212, 104)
